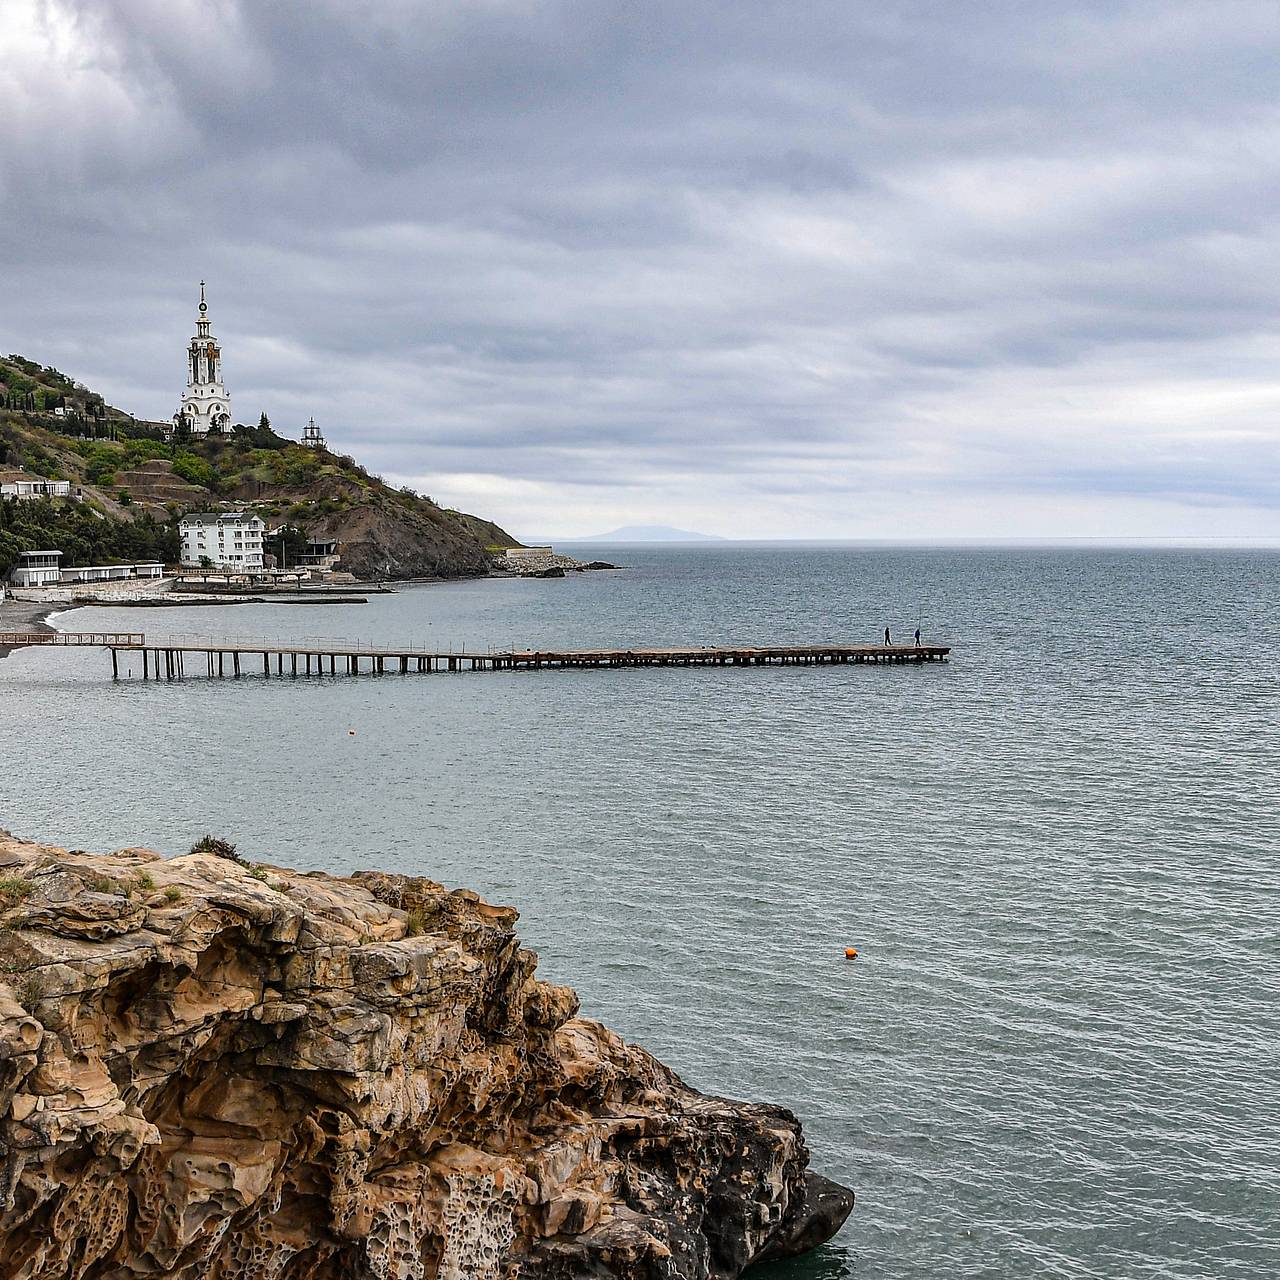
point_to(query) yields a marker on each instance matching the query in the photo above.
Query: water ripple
(1059, 858)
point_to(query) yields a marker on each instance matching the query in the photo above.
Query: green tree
(287, 544)
(103, 462)
(194, 470)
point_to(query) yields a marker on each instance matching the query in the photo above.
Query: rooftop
(213, 517)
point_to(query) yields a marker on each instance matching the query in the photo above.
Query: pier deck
(170, 658)
(100, 639)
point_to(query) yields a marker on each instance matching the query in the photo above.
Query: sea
(1057, 1053)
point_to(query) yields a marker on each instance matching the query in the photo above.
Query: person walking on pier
(917, 637)
(887, 641)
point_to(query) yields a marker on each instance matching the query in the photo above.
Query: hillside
(132, 479)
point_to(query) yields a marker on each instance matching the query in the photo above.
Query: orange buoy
(851, 953)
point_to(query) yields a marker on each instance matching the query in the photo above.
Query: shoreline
(35, 615)
(25, 615)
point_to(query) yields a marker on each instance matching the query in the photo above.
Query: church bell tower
(206, 406)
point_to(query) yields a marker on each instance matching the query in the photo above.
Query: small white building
(22, 484)
(44, 569)
(222, 539)
(37, 569)
(112, 572)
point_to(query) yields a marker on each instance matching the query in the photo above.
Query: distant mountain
(645, 533)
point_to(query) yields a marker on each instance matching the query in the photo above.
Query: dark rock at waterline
(556, 571)
(599, 564)
(818, 1216)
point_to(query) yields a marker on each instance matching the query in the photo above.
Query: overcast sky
(795, 269)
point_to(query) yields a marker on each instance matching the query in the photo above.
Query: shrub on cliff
(222, 848)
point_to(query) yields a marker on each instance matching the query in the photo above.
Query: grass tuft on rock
(15, 889)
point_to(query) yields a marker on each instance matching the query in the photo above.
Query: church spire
(202, 322)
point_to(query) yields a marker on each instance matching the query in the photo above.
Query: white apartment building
(222, 539)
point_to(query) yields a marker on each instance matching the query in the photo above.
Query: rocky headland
(131, 483)
(530, 563)
(216, 1069)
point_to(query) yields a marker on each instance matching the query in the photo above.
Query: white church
(206, 406)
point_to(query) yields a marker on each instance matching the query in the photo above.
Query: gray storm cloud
(764, 269)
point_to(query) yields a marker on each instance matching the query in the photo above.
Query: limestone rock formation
(209, 1069)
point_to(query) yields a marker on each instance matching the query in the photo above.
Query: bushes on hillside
(102, 461)
(259, 437)
(83, 536)
(194, 470)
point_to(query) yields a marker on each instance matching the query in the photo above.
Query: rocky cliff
(209, 1069)
(391, 541)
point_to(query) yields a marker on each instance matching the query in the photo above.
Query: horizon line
(715, 539)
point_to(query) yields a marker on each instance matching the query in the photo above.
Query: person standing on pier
(917, 637)
(887, 641)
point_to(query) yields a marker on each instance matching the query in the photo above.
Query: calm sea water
(1059, 857)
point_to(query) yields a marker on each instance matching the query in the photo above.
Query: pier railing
(295, 643)
(100, 639)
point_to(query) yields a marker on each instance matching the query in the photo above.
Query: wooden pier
(171, 662)
(173, 659)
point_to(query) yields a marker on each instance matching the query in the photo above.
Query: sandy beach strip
(25, 615)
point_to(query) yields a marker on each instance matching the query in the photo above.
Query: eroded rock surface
(248, 1073)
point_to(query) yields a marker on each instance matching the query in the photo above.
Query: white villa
(206, 406)
(222, 539)
(22, 484)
